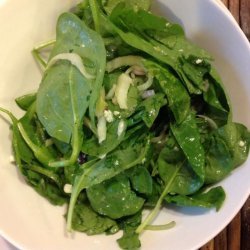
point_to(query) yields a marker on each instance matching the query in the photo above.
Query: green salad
(129, 115)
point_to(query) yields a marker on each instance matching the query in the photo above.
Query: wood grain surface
(236, 236)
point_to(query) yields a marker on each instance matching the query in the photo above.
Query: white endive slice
(121, 128)
(146, 85)
(121, 91)
(111, 93)
(74, 59)
(123, 61)
(101, 129)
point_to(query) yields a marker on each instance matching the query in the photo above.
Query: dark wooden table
(236, 236)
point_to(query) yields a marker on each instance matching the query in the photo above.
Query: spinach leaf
(109, 5)
(25, 159)
(156, 29)
(151, 199)
(85, 219)
(212, 198)
(149, 27)
(157, 207)
(95, 14)
(174, 144)
(227, 147)
(46, 187)
(30, 124)
(177, 96)
(94, 148)
(83, 11)
(110, 80)
(219, 162)
(141, 180)
(157, 37)
(62, 100)
(133, 135)
(133, 98)
(21, 150)
(151, 107)
(186, 180)
(25, 101)
(95, 172)
(73, 36)
(114, 198)
(188, 137)
(218, 106)
(237, 138)
(110, 166)
(196, 70)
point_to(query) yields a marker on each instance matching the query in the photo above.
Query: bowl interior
(29, 221)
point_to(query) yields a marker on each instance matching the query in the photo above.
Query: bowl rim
(227, 14)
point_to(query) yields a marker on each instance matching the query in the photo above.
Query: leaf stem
(75, 151)
(36, 52)
(210, 121)
(15, 141)
(47, 173)
(95, 14)
(160, 227)
(42, 156)
(38, 58)
(11, 116)
(44, 45)
(76, 134)
(157, 207)
(77, 188)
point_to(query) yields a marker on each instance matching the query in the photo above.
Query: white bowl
(28, 220)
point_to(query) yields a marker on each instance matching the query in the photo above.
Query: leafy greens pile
(129, 115)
